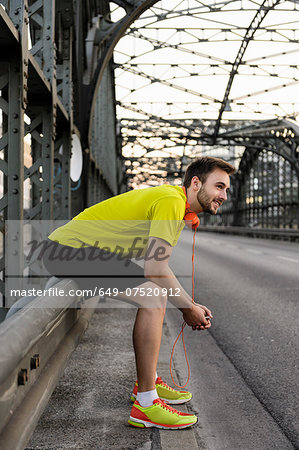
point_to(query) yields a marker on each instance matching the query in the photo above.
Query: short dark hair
(202, 167)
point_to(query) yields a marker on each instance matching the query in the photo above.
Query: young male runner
(96, 248)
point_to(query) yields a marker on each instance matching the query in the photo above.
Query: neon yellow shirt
(116, 222)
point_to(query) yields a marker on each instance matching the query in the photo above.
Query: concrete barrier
(35, 344)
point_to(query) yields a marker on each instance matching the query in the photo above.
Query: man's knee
(159, 298)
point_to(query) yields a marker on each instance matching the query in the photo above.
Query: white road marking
(251, 250)
(288, 259)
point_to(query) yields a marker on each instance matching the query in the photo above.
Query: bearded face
(208, 200)
(209, 195)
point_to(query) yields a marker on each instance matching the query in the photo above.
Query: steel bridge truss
(56, 81)
(224, 84)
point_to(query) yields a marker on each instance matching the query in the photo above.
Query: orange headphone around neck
(190, 217)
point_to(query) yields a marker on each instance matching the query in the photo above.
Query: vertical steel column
(64, 77)
(49, 112)
(291, 201)
(17, 100)
(67, 86)
(265, 189)
(35, 182)
(47, 164)
(268, 191)
(65, 206)
(284, 196)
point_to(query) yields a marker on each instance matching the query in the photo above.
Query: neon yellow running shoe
(166, 393)
(160, 415)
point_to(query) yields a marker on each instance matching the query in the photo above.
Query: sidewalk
(90, 407)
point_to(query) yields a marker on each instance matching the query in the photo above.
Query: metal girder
(31, 104)
(266, 6)
(167, 83)
(176, 123)
(112, 36)
(126, 4)
(193, 40)
(257, 200)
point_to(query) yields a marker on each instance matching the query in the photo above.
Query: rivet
(15, 130)
(15, 191)
(15, 116)
(14, 252)
(15, 177)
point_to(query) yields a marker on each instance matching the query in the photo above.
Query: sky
(201, 42)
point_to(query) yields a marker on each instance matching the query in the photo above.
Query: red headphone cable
(181, 333)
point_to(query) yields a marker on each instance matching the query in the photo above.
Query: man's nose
(223, 195)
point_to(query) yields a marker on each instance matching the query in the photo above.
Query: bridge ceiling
(198, 77)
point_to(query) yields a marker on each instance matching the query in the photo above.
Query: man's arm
(156, 269)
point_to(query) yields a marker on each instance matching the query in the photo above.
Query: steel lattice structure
(58, 75)
(56, 81)
(216, 78)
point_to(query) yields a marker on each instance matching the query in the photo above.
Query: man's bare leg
(147, 335)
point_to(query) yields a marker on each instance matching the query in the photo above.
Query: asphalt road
(252, 288)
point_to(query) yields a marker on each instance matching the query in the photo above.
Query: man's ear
(196, 182)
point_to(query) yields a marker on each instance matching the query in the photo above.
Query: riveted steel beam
(16, 96)
(265, 7)
(112, 34)
(126, 4)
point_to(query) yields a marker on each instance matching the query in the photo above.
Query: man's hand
(196, 317)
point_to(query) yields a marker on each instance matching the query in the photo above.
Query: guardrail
(35, 345)
(273, 233)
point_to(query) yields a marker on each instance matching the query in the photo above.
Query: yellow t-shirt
(134, 216)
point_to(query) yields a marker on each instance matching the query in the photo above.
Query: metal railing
(273, 233)
(35, 345)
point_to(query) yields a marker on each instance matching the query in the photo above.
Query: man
(143, 224)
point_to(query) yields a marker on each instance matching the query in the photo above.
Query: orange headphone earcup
(192, 221)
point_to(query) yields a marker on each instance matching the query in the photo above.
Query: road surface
(245, 369)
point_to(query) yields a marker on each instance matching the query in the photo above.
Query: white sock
(147, 398)
(156, 376)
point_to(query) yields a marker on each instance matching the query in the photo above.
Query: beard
(205, 201)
